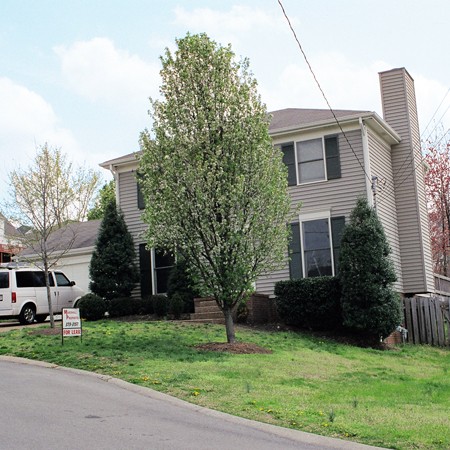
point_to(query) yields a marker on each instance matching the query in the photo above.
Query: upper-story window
(312, 160)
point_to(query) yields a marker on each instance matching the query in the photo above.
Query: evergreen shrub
(312, 303)
(92, 307)
(160, 305)
(122, 306)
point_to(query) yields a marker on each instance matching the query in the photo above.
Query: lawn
(396, 399)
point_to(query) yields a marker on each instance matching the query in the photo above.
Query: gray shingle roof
(291, 117)
(83, 234)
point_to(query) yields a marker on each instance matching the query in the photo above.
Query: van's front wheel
(27, 315)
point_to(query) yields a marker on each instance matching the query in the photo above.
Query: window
(32, 279)
(4, 280)
(155, 267)
(62, 280)
(317, 258)
(312, 160)
(314, 247)
(163, 265)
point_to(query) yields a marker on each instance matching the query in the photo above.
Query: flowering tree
(47, 196)
(214, 185)
(437, 184)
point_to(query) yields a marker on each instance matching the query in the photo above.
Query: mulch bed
(242, 348)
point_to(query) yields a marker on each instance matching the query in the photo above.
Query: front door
(65, 291)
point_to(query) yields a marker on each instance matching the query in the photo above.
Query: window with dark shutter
(337, 227)
(145, 270)
(295, 253)
(289, 160)
(332, 157)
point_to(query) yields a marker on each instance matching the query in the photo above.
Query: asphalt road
(49, 407)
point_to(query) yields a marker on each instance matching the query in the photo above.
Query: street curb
(324, 441)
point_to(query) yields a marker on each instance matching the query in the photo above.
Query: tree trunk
(49, 296)
(229, 325)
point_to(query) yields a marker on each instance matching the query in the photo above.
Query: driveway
(50, 407)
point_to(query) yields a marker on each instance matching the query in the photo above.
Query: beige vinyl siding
(338, 195)
(381, 166)
(399, 108)
(129, 206)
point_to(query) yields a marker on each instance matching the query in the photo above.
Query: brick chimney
(400, 112)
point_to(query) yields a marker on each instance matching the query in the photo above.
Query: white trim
(152, 270)
(366, 156)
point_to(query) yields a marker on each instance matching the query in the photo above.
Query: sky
(78, 74)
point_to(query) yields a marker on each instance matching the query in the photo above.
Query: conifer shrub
(112, 270)
(160, 305)
(312, 303)
(180, 283)
(92, 307)
(122, 306)
(369, 303)
(176, 305)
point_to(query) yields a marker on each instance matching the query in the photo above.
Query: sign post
(71, 323)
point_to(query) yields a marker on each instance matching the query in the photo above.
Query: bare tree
(49, 195)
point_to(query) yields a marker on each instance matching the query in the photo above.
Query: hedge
(312, 303)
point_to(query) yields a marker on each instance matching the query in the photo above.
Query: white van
(23, 294)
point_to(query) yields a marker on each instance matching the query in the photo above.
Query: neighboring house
(9, 240)
(72, 247)
(330, 165)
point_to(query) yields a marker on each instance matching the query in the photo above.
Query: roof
(293, 117)
(290, 119)
(83, 235)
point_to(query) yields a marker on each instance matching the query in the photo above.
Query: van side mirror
(72, 283)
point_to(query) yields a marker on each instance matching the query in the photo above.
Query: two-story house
(332, 158)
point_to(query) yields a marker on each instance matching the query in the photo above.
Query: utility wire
(437, 109)
(320, 88)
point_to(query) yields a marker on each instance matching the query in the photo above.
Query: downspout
(366, 156)
(116, 181)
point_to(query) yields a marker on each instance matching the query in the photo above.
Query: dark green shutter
(140, 197)
(289, 160)
(295, 253)
(337, 227)
(332, 156)
(145, 269)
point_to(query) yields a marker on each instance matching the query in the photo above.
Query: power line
(320, 88)
(437, 109)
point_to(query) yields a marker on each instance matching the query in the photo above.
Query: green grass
(396, 399)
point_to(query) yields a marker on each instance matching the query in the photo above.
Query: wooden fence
(427, 320)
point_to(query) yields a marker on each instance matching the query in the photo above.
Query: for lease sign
(71, 322)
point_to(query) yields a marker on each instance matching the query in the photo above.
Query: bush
(92, 307)
(145, 305)
(176, 305)
(180, 283)
(369, 303)
(122, 306)
(160, 305)
(312, 303)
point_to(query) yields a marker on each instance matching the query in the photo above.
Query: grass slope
(397, 399)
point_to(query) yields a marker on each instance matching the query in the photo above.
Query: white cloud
(26, 121)
(346, 86)
(231, 26)
(97, 70)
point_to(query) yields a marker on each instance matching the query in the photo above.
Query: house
(332, 158)
(9, 240)
(70, 248)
